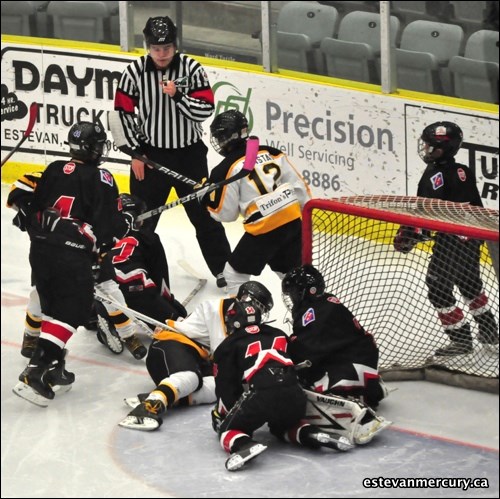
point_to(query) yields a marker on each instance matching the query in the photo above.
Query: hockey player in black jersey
(256, 383)
(343, 356)
(455, 260)
(19, 198)
(178, 359)
(74, 212)
(140, 268)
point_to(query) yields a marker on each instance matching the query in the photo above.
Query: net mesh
(350, 240)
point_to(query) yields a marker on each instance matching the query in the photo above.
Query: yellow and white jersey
(205, 324)
(272, 195)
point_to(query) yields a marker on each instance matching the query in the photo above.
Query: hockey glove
(179, 308)
(21, 218)
(408, 237)
(217, 420)
(130, 221)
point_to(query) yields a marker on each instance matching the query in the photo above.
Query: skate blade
(237, 460)
(144, 424)
(107, 338)
(339, 443)
(27, 393)
(366, 433)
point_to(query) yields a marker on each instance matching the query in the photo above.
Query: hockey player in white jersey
(178, 359)
(270, 200)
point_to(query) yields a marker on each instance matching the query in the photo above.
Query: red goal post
(350, 240)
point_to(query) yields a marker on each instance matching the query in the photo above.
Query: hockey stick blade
(27, 132)
(120, 141)
(184, 265)
(251, 152)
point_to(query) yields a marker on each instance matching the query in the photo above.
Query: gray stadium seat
(469, 15)
(294, 51)
(312, 22)
(425, 51)
(475, 75)
(82, 21)
(18, 18)
(355, 55)
(435, 11)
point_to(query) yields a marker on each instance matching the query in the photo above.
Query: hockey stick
(248, 166)
(27, 132)
(115, 126)
(201, 281)
(132, 314)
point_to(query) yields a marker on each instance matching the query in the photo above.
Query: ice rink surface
(74, 448)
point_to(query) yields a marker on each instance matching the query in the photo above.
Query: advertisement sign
(344, 142)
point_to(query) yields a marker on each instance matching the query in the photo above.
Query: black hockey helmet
(88, 142)
(160, 30)
(240, 315)
(302, 283)
(132, 207)
(442, 136)
(256, 293)
(228, 130)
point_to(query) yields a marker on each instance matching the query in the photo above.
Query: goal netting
(350, 240)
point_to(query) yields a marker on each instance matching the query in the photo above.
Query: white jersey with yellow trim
(272, 195)
(205, 324)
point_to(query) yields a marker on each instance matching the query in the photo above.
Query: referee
(162, 99)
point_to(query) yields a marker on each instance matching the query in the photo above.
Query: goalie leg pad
(348, 418)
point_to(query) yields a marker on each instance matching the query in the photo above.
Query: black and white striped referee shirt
(149, 115)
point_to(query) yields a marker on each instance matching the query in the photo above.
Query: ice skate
(325, 439)
(145, 417)
(135, 346)
(107, 335)
(249, 451)
(34, 385)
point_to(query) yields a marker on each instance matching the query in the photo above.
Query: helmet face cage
(302, 283)
(443, 136)
(227, 130)
(240, 315)
(160, 31)
(258, 295)
(88, 142)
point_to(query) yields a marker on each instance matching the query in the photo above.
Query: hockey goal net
(350, 240)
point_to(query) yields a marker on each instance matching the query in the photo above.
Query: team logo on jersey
(308, 317)
(462, 175)
(437, 181)
(252, 329)
(106, 177)
(333, 299)
(69, 168)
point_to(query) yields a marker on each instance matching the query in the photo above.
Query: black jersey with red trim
(326, 332)
(450, 181)
(86, 198)
(243, 355)
(140, 262)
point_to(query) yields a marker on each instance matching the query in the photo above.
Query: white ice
(74, 448)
